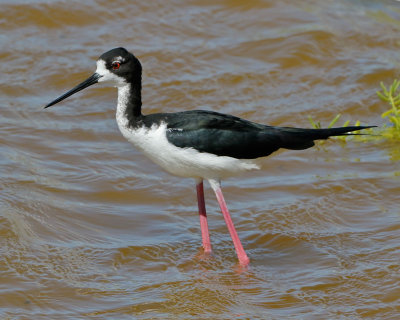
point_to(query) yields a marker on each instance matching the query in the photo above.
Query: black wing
(226, 135)
(216, 133)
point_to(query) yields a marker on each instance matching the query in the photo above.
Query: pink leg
(203, 218)
(241, 254)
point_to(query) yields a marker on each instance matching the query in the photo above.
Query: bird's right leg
(203, 217)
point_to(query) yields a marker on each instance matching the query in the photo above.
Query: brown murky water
(89, 229)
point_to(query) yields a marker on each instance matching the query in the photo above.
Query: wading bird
(195, 144)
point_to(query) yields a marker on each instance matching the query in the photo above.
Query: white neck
(123, 98)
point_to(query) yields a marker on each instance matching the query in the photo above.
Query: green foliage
(392, 97)
(317, 125)
(391, 130)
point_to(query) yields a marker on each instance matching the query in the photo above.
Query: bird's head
(118, 67)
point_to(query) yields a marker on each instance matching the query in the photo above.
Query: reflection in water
(90, 229)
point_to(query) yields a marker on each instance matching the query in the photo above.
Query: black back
(226, 135)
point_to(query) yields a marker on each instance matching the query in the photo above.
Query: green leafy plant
(392, 97)
(391, 130)
(317, 125)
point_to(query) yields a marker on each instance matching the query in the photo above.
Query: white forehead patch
(107, 76)
(119, 59)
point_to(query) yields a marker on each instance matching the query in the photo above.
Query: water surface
(90, 229)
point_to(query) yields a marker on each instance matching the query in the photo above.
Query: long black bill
(94, 78)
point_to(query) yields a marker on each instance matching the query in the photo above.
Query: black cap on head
(129, 66)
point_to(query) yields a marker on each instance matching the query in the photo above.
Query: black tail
(299, 139)
(331, 132)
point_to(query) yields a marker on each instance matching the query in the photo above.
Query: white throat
(122, 105)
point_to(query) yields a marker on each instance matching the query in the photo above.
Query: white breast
(184, 162)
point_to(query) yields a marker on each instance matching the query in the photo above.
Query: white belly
(184, 162)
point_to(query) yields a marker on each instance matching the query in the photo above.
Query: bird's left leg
(241, 254)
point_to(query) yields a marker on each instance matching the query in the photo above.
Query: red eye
(115, 65)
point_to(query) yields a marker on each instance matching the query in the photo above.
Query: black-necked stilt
(195, 144)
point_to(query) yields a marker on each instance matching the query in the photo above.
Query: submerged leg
(241, 254)
(203, 217)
